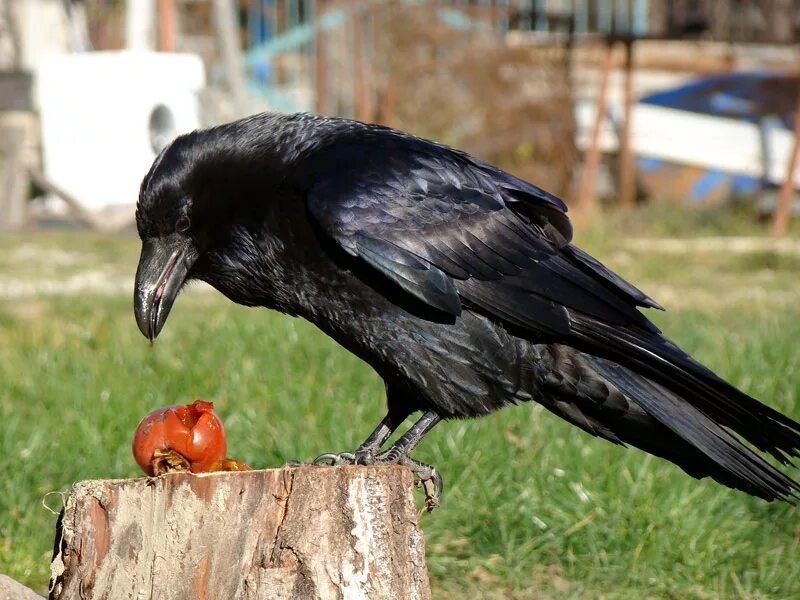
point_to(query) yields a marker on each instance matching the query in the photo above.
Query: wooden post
(228, 35)
(388, 103)
(166, 25)
(73, 203)
(780, 26)
(320, 61)
(363, 112)
(592, 160)
(627, 172)
(305, 532)
(783, 210)
(13, 178)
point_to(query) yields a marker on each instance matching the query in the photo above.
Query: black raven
(456, 281)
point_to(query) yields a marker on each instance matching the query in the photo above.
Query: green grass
(532, 507)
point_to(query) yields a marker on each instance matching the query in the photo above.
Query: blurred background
(670, 128)
(631, 101)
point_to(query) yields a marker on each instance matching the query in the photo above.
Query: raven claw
(329, 459)
(427, 478)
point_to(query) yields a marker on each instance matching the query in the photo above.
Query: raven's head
(167, 221)
(204, 206)
(198, 206)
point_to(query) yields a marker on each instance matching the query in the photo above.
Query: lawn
(532, 507)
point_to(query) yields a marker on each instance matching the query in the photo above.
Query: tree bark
(305, 532)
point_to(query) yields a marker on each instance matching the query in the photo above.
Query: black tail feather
(729, 461)
(656, 358)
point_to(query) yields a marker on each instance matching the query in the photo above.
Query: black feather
(660, 360)
(750, 472)
(423, 280)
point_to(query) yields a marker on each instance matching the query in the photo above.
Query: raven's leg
(366, 452)
(409, 440)
(427, 476)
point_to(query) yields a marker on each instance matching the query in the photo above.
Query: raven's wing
(452, 230)
(442, 226)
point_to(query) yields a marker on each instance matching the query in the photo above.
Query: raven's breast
(462, 367)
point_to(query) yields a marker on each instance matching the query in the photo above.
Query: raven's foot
(425, 476)
(331, 459)
(359, 457)
(428, 478)
(369, 453)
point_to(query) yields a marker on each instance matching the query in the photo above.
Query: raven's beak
(162, 270)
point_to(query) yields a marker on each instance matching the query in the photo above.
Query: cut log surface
(305, 532)
(13, 590)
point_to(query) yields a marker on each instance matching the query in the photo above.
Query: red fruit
(189, 437)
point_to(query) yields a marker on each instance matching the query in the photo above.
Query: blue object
(749, 96)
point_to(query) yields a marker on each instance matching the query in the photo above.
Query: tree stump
(13, 590)
(305, 532)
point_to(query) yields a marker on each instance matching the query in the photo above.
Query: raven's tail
(697, 405)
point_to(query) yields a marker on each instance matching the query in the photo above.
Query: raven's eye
(182, 224)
